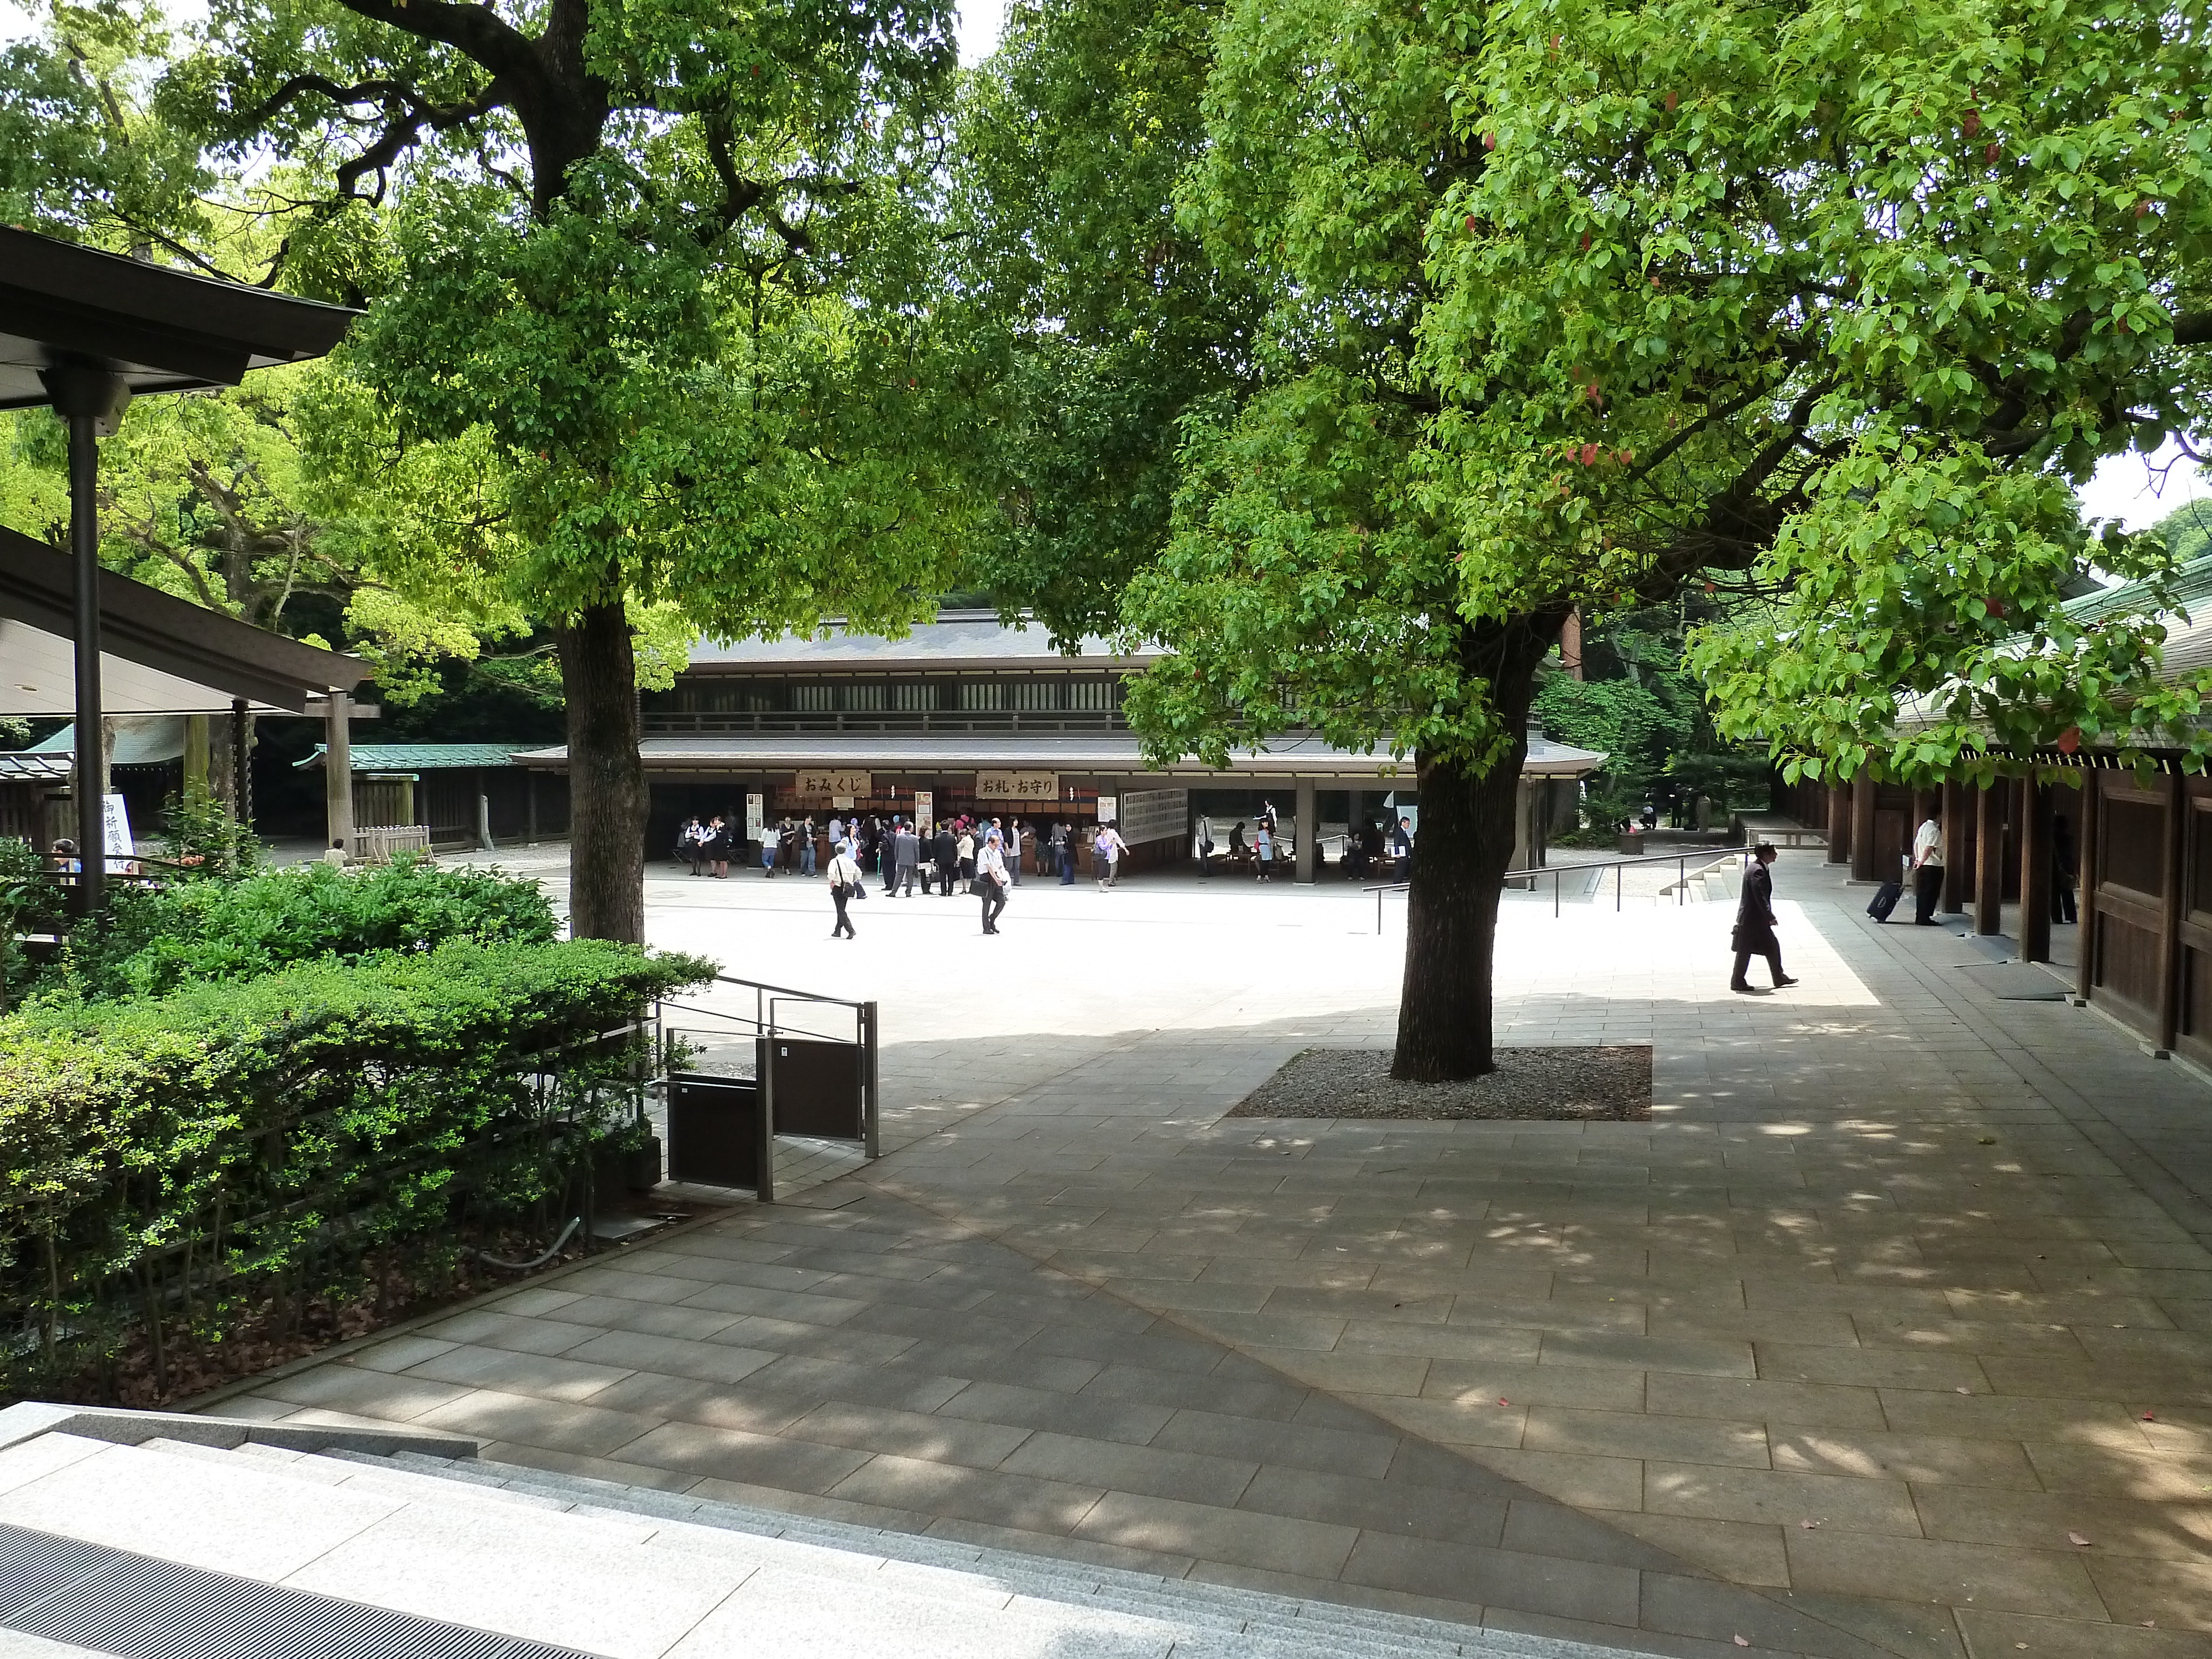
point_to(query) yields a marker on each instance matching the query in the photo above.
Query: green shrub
(149, 943)
(165, 1162)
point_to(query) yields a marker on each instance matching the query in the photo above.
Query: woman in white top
(991, 877)
(844, 881)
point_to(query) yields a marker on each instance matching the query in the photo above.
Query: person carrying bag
(992, 880)
(844, 883)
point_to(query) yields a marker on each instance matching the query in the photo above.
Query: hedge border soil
(1589, 1085)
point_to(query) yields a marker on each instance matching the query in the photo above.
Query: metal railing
(765, 1024)
(1558, 872)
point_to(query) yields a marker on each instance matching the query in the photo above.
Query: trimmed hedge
(148, 943)
(166, 1162)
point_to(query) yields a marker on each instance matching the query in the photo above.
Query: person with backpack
(1754, 924)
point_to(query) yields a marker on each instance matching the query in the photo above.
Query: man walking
(906, 858)
(1754, 924)
(991, 879)
(844, 882)
(1927, 871)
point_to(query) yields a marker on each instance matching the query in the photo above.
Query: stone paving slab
(1892, 1257)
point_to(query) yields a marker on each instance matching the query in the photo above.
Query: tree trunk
(1466, 847)
(606, 777)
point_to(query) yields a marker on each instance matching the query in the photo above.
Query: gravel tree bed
(1573, 1085)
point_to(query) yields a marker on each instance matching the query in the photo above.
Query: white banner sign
(1155, 815)
(1018, 785)
(756, 816)
(925, 811)
(116, 828)
(833, 783)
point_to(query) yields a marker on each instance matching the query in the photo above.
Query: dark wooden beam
(1958, 850)
(2085, 846)
(2169, 932)
(1839, 823)
(2034, 871)
(1989, 860)
(1863, 846)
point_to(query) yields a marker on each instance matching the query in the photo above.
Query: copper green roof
(424, 756)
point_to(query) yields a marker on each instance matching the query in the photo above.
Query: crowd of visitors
(982, 857)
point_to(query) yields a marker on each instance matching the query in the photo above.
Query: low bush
(148, 943)
(174, 1168)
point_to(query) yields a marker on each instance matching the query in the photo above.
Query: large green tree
(663, 265)
(1089, 317)
(1574, 304)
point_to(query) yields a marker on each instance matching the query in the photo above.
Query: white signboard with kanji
(833, 783)
(1018, 785)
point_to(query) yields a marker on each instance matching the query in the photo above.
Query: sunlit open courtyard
(1886, 1334)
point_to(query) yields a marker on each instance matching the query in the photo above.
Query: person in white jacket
(844, 881)
(991, 876)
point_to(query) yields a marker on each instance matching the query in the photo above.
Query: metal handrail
(766, 997)
(1558, 873)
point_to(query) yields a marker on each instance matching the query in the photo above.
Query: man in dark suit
(906, 859)
(1755, 923)
(945, 851)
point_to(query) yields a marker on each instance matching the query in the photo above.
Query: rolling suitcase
(1884, 900)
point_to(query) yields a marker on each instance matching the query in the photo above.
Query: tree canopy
(1814, 309)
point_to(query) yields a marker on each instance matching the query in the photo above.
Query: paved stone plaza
(1903, 1289)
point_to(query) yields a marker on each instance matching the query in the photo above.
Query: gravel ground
(1557, 1084)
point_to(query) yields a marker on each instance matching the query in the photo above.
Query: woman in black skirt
(1754, 922)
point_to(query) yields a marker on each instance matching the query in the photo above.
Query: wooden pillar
(1863, 848)
(337, 772)
(2169, 932)
(2035, 871)
(2085, 943)
(1308, 850)
(1958, 854)
(1988, 858)
(241, 758)
(197, 759)
(1839, 823)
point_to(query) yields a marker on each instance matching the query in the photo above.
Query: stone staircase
(522, 1560)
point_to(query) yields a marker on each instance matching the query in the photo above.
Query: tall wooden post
(1309, 842)
(1839, 823)
(2034, 871)
(2086, 844)
(1863, 846)
(337, 772)
(2169, 932)
(197, 763)
(1957, 855)
(1989, 860)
